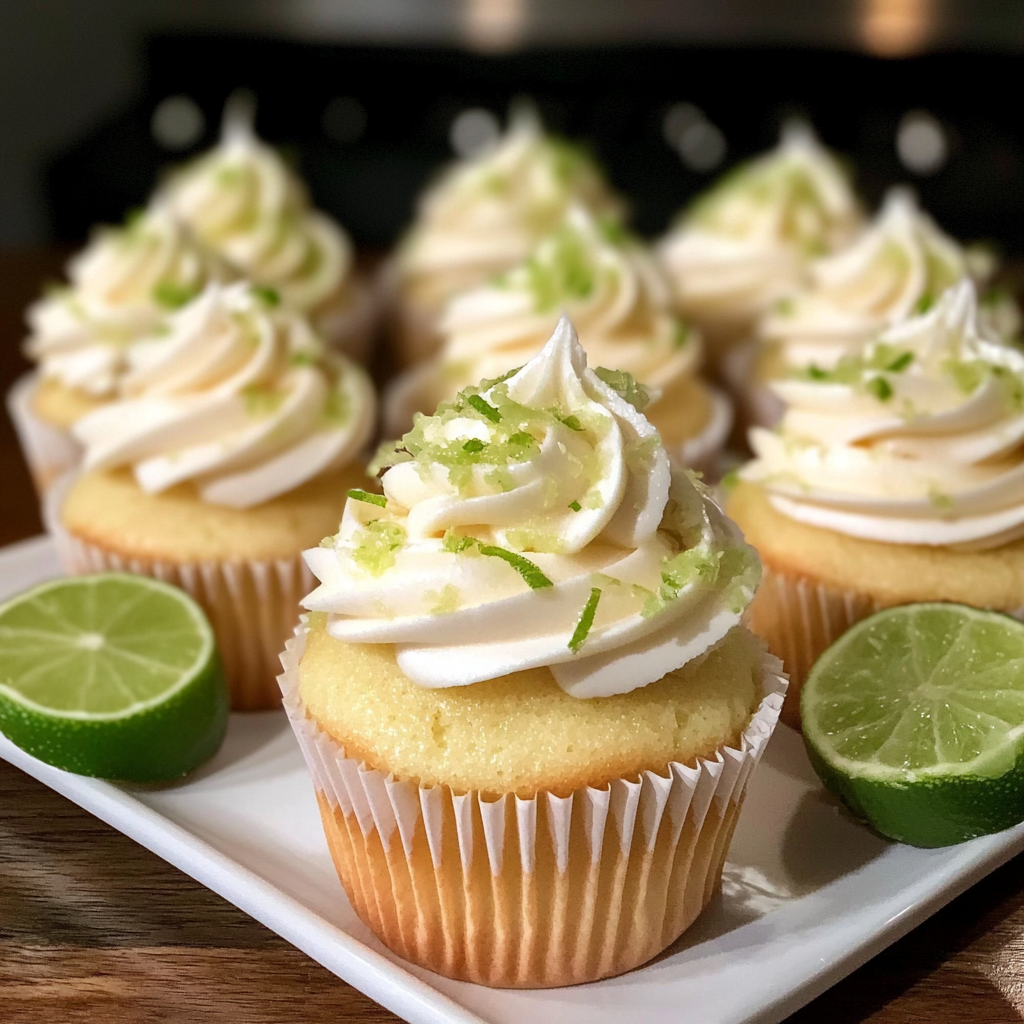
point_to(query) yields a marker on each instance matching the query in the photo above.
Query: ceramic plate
(807, 895)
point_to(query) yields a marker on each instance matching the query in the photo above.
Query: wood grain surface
(94, 928)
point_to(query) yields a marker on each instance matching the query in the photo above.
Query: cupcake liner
(49, 451)
(529, 893)
(704, 451)
(252, 605)
(351, 326)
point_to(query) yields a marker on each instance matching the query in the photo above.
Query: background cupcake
(119, 289)
(482, 217)
(619, 301)
(747, 241)
(525, 697)
(896, 477)
(243, 202)
(232, 447)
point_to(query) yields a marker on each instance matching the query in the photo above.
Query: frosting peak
(899, 265)
(239, 396)
(243, 201)
(746, 241)
(121, 285)
(536, 521)
(918, 439)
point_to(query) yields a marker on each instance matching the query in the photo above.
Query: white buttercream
(603, 279)
(899, 264)
(239, 397)
(747, 241)
(120, 287)
(918, 440)
(485, 214)
(243, 201)
(550, 465)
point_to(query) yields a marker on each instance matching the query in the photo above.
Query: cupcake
(620, 303)
(894, 269)
(243, 202)
(896, 477)
(232, 446)
(482, 217)
(524, 693)
(119, 289)
(747, 242)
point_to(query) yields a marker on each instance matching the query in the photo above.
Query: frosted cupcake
(235, 440)
(483, 217)
(898, 476)
(619, 301)
(119, 289)
(243, 202)
(747, 242)
(525, 696)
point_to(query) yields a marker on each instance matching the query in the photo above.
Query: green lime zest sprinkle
(474, 444)
(268, 295)
(486, 385)
(327, 542)
(681, 335)
(522, 438)
(304, 357)
(532, 576)
(454, 543)
(901, 362)
(880, 388)
(575, 506)
(784, 307)
(484, 408)
(173, 296)
(378, 540)
(261, 401)
(586, 621)
(730, 480)
(626, 386)
(572, 422)
(336, 410)
(924, 303)
(445, 601)
(939, 500)
(359, 494)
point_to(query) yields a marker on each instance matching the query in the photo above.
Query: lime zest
(531, 573)
(358, 494)
(455, 544)
(628, 388)
(586, 621)
(269, 296)
(376, 545)
(474, 444)
(572, 422)
(172, 295)
(575, 506)
(880, 388)
(484, 408)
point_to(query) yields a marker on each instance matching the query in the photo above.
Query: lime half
(115, 676)
(915, 719)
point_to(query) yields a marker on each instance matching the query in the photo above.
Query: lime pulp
(915, 719)
(113, 675)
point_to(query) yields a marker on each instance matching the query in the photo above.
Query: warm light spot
(495, 24)
(895, 28)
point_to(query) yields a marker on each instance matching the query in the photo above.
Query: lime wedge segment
(915, 719)
(113, 675)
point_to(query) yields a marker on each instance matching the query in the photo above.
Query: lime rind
(915, 719)
(66, 633)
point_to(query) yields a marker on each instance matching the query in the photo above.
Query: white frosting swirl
(486, 214)
(900, 263)
(513, 511)
(121, 285)
(242, 201)
(918, 440)
(747, 241)
(602, 278)
(239, 397)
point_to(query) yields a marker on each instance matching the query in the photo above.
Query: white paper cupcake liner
(352, 327)
(252, 605)
(535, 892)
(49, 451)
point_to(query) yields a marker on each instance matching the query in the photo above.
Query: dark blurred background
(369, 97)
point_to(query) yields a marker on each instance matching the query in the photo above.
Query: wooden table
(95, 928)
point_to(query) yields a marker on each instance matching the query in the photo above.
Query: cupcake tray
(808, 895)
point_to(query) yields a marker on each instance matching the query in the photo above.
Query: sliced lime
(915, 719)
(115, 676)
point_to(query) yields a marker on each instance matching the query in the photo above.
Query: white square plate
(808, 895)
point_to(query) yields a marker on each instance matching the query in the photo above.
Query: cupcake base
(529, 893)
(49, 451)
